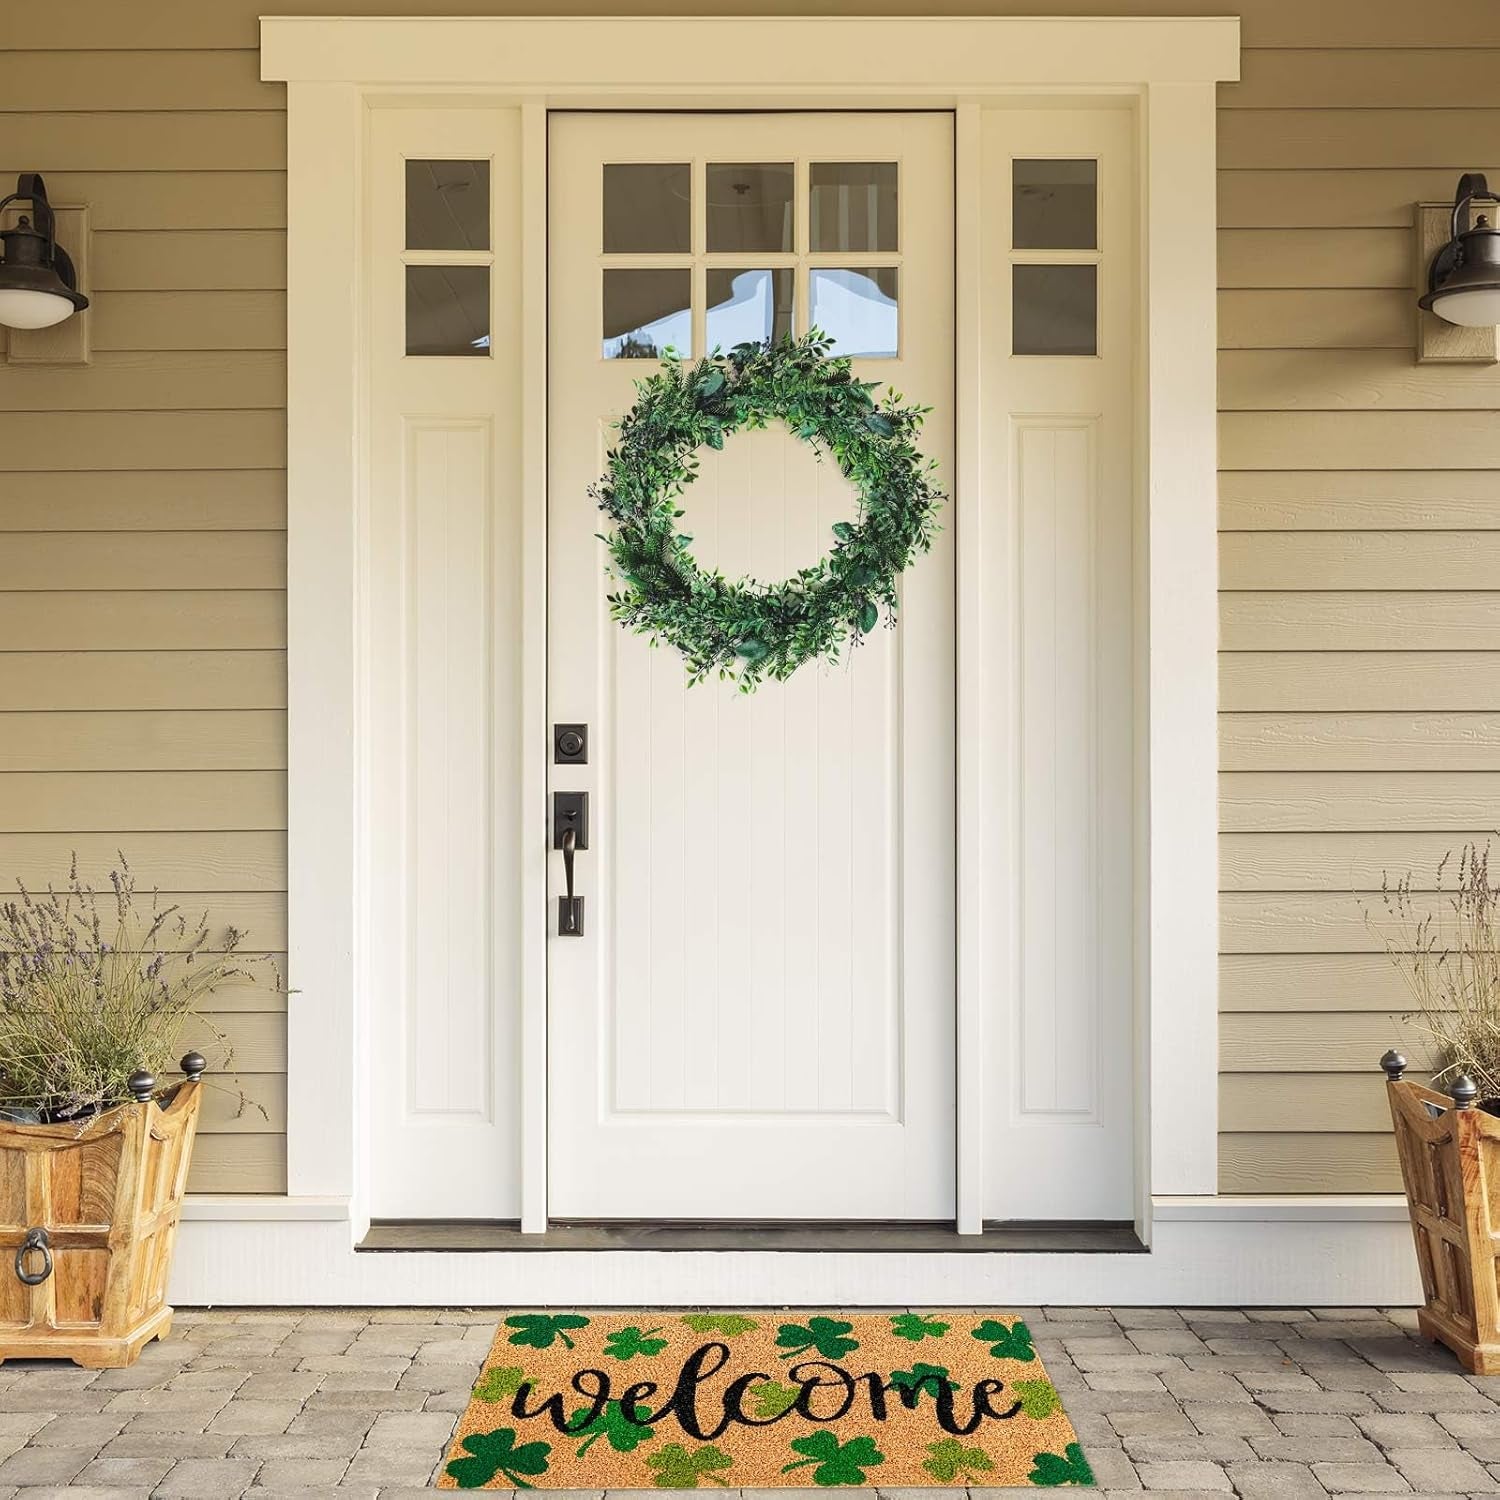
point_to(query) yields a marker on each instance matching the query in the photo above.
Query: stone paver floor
(1298, 1403)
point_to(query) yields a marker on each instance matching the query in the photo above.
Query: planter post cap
(193, 1065)
(1394, 1065)
(1464, 1091)
(141, 1085)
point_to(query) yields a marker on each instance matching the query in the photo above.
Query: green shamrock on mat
(626, 1343)
(1071, 1468)
(1038, 1397)
(838, 1463)
(729, 1324)
(623, 1435)
(496, 1453)
(1007, 1340)
(538, 1330)
(498, 1382)
(915, 1327)
(677, 1469)
(826, 1335)
(909, 1384)
(772, 1398)
(949, 1458)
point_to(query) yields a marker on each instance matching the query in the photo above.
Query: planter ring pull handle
(36, 1239)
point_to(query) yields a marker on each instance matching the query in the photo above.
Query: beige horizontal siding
(161, 200)
(1357, 801)
(1360, 742)
(1301, 258)
(142, 613)
(128, 619)
(1417, 77)
(1341, 1103)
(1362, 499)
(1350, 380)
(204, 862)
(144, 500)
(1365, 681)
(48, 82)
(195, 740)
(1293, 1161)
(151, 380)
(1360, 620)
(142, 679)
(1271, 983)
(1342, 861)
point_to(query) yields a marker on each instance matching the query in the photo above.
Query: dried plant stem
(94, 987)
(1450, 961)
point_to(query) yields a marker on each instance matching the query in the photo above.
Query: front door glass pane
(853, 206)
(750, 207)
(858, 310)
(647, 312)
(1054, 205)
(1054, 309)
(748, 306)
(647, 208)
(448, 310)
(447, 205)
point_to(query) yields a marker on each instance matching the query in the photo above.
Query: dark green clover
(495, 1453)
(1006, 1340)
(541, 1330)
(1069, 1468)
(623, 1435)
(838, 1463)
(826, 1335)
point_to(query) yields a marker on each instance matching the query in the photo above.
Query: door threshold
(1097, 1237)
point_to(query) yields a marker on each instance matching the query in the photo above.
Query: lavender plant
(1450, 960)
(96, 985)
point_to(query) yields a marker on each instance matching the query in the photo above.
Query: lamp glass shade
(26, 307)
(1468, 306)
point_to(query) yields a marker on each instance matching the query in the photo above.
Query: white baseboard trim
(1205, 1252)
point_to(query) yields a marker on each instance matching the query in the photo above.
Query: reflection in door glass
(748, 306)
(447, 205)
(448, 310)
(1054, 205)
(647, 208)
(647, 312)
(750, 206)
(1054, 309)
(853, 205)
(858, 310)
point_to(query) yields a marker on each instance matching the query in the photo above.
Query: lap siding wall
(142, 506)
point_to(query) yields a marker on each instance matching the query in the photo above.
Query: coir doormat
(681, 1401)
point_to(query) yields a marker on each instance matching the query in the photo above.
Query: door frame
(1165, 71)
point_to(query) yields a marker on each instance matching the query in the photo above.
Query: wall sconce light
(38, 285)
(1463, 281)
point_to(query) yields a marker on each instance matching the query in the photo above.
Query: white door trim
(336, 69)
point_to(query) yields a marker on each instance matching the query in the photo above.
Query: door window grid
(801, 261)
(449, 309)
(1054, 290)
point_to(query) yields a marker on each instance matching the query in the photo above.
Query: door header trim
(939, 58)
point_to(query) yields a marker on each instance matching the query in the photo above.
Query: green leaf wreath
(745, 629)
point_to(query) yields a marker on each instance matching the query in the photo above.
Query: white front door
(758, 1020)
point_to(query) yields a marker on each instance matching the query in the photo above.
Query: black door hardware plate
(570, 744)
(570, 810)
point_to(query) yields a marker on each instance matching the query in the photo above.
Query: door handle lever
(570, 834)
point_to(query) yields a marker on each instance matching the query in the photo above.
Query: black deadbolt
(570, 744)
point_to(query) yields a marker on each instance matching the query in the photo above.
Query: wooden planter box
(1450, 1164)
(107, 1195)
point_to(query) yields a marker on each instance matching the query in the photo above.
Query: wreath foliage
(743, 628)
